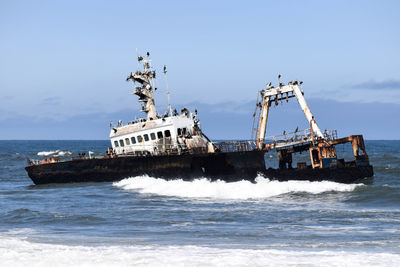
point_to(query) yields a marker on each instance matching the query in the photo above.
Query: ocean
(146, 221)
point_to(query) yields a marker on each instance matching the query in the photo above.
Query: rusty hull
(324, 162)
(347, 175)
(230, 166)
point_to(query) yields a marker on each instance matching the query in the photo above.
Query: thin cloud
(372, 85)
(8, 97)
(54, 100)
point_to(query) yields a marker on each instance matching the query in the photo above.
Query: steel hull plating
(230, 167)
(341, 175)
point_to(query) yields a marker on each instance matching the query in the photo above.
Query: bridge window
(153, 136)
(121, 142)
(179, 131)
(146, 137)
(167, 133)
(133, 140)
(116, 143)
(127, 141)
(139, 138)
(159, 135)
(184, 131)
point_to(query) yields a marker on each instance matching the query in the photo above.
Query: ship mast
(166, 82)
(146, 89)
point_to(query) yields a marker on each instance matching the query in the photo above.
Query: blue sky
(65, 62)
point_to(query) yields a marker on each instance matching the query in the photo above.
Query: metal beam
(262, 126)
(306, 110)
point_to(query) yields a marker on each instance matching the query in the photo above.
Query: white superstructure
(171, 133)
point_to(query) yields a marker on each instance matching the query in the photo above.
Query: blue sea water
(151, 222)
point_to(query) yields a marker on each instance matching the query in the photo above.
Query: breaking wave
(20, 252)
(55, 153)
(204, 188)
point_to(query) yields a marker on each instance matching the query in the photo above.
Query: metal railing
(297, 138)
(274, 142)
(235, 146)
(330, 135)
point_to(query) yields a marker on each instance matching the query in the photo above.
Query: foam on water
(16, 251)
(204, 188)
(54, 153)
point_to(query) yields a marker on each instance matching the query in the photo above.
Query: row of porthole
(140, 139)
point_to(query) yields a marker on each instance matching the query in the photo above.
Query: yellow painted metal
(262, 126)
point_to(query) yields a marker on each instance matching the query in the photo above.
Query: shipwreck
(173, 145)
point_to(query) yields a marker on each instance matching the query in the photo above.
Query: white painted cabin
(154, 136)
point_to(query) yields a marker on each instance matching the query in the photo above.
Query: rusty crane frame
(320, 145)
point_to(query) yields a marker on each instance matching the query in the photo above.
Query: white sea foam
(19, 252)
(48, 153)
(54, 153)
(203, 188)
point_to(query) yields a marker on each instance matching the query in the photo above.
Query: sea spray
(204, 188)
(54, 153)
